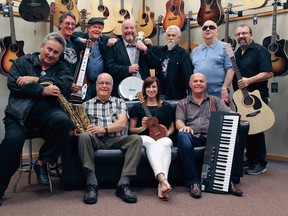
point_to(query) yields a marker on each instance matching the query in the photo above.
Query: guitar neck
(147, 111)
(227, 27)
(51, 27)
(274, 35)
(12, 27)
(143, 6)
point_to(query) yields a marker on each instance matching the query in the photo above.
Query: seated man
(192, 121)
(32, 104)
(108, 117)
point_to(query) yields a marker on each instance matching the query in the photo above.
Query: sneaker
(258, 169)
(248, 165)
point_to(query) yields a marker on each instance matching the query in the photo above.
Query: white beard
(171, 44)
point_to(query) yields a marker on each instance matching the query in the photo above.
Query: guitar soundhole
(273, 48)
(172, 8)
(122, 12)
(144, 17)
(14, 48)
(101, 8)
(70, 6)
(208, 2)
(248, 101)
(65, 2)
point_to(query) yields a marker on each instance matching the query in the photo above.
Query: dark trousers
(54, 126)
(256, 149)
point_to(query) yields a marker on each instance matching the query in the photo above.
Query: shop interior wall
(276, 137)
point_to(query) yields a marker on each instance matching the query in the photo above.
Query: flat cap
(94, 20)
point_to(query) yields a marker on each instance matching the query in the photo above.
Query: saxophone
(75, 112)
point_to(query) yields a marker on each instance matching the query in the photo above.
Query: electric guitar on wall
(175, 14)
(249, 104)
(156, 131)
(102, 10)
(51, 16)
(11, 49)
(122, 11)
(66, 6)
(189, 46)
(83, 13)
(210, 10)
(254, 4)
(276, 47)
(34, 10)
(227, 38)
(146, 22)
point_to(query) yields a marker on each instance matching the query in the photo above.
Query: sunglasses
(210, 27)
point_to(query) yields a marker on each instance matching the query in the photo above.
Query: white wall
(33, 33)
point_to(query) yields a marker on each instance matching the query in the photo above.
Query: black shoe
(195, 191)
(258, 169)
(233, 190)
(125, 192)
(248, 165)
(91, 194)
(42, 173)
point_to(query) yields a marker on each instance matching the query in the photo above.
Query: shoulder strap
(212, 105)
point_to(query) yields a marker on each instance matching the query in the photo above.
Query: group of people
(36, 80)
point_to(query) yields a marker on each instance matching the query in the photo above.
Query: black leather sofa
(109, 164)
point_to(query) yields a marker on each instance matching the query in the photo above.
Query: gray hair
(174, 27)
(65, 15)
(55, 36)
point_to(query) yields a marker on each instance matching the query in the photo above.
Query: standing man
(34, 105)
(108, 122)
(192, 121)
(173, 65)
(120, 59)
(254, 62)
(211, 59)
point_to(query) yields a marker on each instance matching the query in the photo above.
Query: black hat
(94, 20)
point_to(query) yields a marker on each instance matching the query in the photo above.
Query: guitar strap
(212, 104)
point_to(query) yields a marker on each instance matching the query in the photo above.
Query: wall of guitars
(25, 27)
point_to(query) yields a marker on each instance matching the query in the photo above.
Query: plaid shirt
(105, 113)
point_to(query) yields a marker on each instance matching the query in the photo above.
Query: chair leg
(17, 180)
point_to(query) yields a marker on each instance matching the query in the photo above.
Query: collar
(212, 46)
(96, 99)
(191, 100)
(127, 44)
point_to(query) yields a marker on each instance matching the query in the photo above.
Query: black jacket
(22, 98)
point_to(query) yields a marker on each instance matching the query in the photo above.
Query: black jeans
(54, 126)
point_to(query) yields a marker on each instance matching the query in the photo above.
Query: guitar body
(210, 10)
(104, 12)
(253, 4)
(175, 14)
(254, 110)
(155, 130)
(66, 6)
(278, 55)
(122, 14)
(146, 22)
(34, 10)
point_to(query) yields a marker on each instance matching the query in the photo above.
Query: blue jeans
(186, 144)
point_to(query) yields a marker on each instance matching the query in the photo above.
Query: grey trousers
(88, 143)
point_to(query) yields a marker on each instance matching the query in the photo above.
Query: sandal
(161, 196)
(165, 186)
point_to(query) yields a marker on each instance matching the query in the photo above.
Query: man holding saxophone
(33, 104)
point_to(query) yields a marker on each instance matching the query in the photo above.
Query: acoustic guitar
(254, 4)
(63, 6)
(34, 10)
(11, 49)
(122, 11)
(146, 22)
(276, 47)
(249, 104)
(210, 10)
(175, 14)
(83, 13)
(227, 38)
(189, 46)
(103, 9)
(156, 131)
(51, 16)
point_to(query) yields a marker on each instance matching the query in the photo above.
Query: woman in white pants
(153, 119)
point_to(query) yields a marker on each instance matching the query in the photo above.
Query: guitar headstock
(160, 20)
(229, 8)
(140, 36)
(189, 16)
(229, 50)
(52, 8)
(83, 13)
(140, 97)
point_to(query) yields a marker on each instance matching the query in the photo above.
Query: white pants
(158, 153)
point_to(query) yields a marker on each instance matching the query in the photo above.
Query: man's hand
(51, 90)
(133, 68)
(111, 42)
(148, 41)
(26, 79)
(225, 96)
(243, 83)
(141, 46)
(186, 129)
(75, 88)
(95, 129)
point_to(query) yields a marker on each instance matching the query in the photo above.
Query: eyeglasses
(105, 83)
(210, 27)
(69, 23)
(243, 33)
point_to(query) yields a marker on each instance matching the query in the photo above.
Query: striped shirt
(105, 113)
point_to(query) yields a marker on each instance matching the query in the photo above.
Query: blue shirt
(214, 62)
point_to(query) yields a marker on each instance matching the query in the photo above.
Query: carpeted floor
(264, 195)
